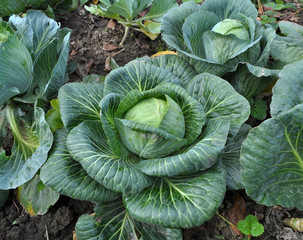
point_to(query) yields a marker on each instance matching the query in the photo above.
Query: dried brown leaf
(109, 47)
(111, 24)
(89, 65)
(107, 64)
(73, 53)
(237, 213)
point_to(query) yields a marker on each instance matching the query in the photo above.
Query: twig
(15, 205)
(291, 15)
(46, 232)
(229, 222)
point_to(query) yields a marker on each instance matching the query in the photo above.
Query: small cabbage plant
(223, 36)
(272, 154)
(132, 13)
(33, 60)
(149, 146)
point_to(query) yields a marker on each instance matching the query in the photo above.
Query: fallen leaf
(237, 213)
(108, 47)
(107, 64)
(108, 60)
(88, 66)
(73, 53)
(111, 24)
(74, 235)
(164, 53)
(294, 19)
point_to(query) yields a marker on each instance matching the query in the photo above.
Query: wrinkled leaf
(32, 141)
(35, 201)
(66, 176)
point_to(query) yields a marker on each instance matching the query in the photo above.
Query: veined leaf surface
(80, 102)
(66, 176)
(87, 144)
(112, 221)
(272, 160)
(288, 91)
(32, 141)
(180, 202)
(16, 72)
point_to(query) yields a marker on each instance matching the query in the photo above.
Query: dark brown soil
(90, 36)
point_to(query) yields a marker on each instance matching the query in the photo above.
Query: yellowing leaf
(152, 36)
(164, 53)
(95, 2)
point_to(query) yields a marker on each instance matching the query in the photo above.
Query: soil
(94, 41)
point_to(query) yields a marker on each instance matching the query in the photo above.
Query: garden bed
(94, 41)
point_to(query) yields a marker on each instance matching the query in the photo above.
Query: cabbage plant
(50, 7)
(33, 59)
(131, 13)
(272, 154)
(148, 146)
(222, 36)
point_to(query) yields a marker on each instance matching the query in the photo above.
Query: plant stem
(291, 15)
(226, 220)
(125, 35)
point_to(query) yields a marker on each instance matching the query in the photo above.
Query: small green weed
(250, 227)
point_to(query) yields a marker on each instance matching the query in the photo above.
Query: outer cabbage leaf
(66, 176)
(231, 158)
(158, 9)
(35, 199)
(250, 80)
(137, 75)
(79, 102)
(230, 8)
(9, 7)
(174, 64)
(112, 221)
(36, 28)
(273, 162)
(288, 48)
(32, 141)
(16, 72)
(288, 91)
(87, 144)
(180, 202)
(220, 100)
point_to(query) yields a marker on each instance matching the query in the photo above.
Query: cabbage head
(147, 145)
(223, 36)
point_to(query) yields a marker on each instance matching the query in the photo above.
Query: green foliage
(35, 197)
(53, 117)
(270, 16)
(250, 226)
(33, 59)
(259, 108)
(271, 155)
(131, 14)
(50, 7)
